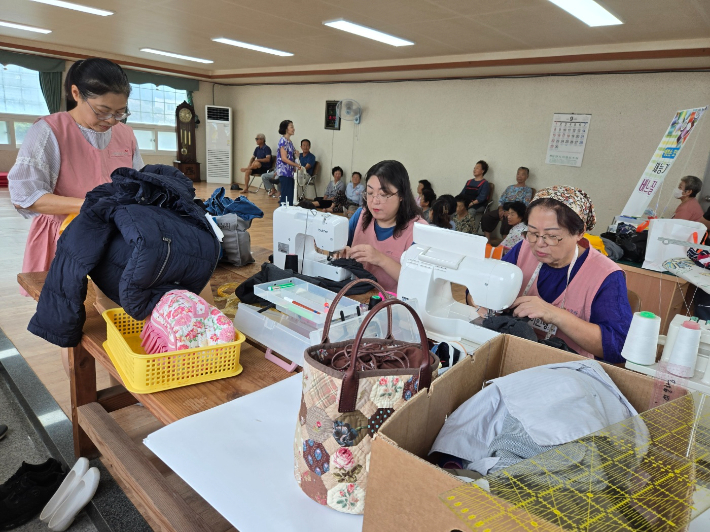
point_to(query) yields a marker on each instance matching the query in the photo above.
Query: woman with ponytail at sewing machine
(569, 289)
(382, 229)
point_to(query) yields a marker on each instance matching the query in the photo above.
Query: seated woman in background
(426, 200)
(382, 229)
(463, 221)
(518, 192)
(569, 290)
(423, 183)
(441, 214)
(331, 191)
(477, 189)
(515, 214)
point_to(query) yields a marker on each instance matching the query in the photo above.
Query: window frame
(155, 129)
(10, 119)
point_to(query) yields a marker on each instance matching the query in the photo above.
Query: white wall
(439, 129)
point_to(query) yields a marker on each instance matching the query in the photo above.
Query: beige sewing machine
(299, 231)
(440, 257)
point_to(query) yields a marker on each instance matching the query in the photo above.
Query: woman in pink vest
(569, 289)
(67, 154)
(382, 230)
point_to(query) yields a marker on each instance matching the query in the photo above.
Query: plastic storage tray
(290, 337)
(308, 296)
(143, 373)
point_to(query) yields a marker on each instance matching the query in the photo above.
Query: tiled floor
(22, 443)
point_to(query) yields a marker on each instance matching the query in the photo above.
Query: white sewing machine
(298, 231)
(440, 257)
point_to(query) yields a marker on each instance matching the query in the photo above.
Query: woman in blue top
(286, 165)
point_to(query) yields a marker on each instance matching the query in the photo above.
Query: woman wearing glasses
(569, 289)
(382, 229)
(67, 154)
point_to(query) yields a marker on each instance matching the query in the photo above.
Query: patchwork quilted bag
(349, 389)
(183, 320)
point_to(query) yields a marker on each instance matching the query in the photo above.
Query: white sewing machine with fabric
(299, 231)
(440, 257)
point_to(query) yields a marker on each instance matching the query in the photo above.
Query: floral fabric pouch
(183, 320)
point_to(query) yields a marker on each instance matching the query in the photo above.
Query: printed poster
(568, 137)
(665, 155)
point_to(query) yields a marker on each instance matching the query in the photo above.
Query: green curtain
(139, 78)
(189, 98)
(33, 62)
(51, 85)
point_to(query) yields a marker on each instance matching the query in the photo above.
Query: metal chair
(307, 180)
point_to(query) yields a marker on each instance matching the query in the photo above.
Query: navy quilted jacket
(138, 237)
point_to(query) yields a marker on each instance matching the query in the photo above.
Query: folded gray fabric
(613, 250)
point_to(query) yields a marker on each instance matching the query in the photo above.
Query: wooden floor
(44, 358)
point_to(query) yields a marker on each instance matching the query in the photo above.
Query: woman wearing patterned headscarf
(569, 289)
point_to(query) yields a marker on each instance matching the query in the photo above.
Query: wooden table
(664, 294)
(95, 430)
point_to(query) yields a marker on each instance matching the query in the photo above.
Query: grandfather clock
(187, 150)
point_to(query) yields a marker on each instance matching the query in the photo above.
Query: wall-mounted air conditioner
(219, 144)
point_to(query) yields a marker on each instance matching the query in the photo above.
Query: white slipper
(80, 497)
(70, 482)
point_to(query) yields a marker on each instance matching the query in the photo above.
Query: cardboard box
(403, 487)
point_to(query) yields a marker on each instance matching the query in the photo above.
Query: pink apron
(82, 169)
(580, 293)
(392, 247)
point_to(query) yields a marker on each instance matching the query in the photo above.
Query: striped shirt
(37, 166)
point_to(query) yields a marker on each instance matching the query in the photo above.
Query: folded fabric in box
(183, 320)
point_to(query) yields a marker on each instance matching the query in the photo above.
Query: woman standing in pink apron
(67, 154)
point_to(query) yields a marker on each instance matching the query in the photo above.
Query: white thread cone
(685, 350)
(642, 340)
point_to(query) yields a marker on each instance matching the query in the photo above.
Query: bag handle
(351, 381)
(339, 296)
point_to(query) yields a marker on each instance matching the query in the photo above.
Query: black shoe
(49, 466)
(3, 431)
(235, 186)
(28, 497)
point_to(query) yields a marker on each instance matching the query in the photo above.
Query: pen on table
(289, 300)
(285, 285)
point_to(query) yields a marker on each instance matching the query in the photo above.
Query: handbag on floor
(349, 389)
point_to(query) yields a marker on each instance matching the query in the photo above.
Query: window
(21, 103)
(153, 116)
(20, 93)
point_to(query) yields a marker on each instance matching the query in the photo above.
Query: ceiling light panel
(176, 56)
(368, 33)
(254, 47)
(75, 7)
(588, 11)
(23, 27)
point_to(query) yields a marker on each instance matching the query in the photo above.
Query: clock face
(185, 115)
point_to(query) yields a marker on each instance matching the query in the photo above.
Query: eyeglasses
(109, 116)
(378, 198)
(549, 240)
(259, 138)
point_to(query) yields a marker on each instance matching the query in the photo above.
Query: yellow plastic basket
(143, 373)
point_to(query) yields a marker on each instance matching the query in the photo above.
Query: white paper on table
(239, 458)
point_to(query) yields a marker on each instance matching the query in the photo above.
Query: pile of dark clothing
(137, 237)
(632, 244)
(506, 323)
